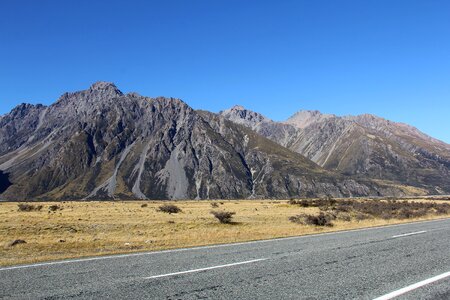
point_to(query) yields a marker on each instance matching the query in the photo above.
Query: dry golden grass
(99, 228)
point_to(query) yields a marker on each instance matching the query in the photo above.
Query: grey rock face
(20, 123)
(100, 143)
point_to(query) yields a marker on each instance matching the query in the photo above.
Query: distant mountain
(363, 146)
(102, 144)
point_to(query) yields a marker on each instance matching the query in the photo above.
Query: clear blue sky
(390, 58)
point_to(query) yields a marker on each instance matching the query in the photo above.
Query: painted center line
(413, 287)
(408, 234)
(208, 268)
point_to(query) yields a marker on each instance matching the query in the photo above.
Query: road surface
(409, 261)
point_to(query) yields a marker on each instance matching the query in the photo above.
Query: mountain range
(100, 143)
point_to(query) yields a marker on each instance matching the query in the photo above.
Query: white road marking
(212, 246)
(408, 234)
(413, 287)
(204, 269)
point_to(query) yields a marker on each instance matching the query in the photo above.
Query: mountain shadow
(4, 181)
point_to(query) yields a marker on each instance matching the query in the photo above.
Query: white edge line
(408, 234)
(412, 287)
(207, 268)
(212, 246)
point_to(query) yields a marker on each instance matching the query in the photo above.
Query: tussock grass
(79, 229)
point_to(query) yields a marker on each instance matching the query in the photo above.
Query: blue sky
(389, 58)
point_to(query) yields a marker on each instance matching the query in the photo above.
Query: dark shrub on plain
(29, 207)
(321, 219)
(169, 208)
(54, 207)
(224, 217)
(214, 204)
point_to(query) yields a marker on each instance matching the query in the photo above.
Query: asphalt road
(363, 264)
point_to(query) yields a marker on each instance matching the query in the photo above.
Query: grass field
(77, 229)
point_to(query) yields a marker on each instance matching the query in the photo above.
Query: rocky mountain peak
(24, 108)
(237, 108)
(241, 115)
(303, 118)
(104, 86)
(374, 122)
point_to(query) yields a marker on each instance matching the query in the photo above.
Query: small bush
(29, 207)
(169, 208)
(319, 220)
(54, 207)
(144, 205)
(224, 217)
(214, 204)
